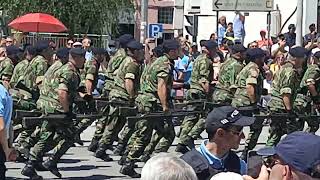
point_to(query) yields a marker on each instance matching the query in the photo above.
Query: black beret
(125, 39)
(210, 44)
(12, 50)
(31, 50)
(317, 55)
(63, 53)
(171, 44)
(238, 48)
(158, 51)
(134, 45)
(298, 52)
(99, 51)
(255, 53)
(78, 52)
(42, 45)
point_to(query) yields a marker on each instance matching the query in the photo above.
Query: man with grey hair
(167, 167)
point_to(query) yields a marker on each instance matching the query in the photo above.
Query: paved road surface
(79, 164)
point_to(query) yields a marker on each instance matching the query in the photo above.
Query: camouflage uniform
(66, 78)
(113, 65)
(147, 101)
(18, 72)
(302, 103)
(286, 80)
(129, 69)
(26, 100)
(229, 70)
(250, 74)
(202, 72)
(6, 69)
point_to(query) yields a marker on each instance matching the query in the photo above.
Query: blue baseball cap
(300, 150)
(225, 116)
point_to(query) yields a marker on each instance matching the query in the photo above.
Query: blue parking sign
(154, 30)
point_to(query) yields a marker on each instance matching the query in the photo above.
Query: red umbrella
(37, 22)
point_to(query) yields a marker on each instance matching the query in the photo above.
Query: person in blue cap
(296, 157)
(224, 126)
(284, 90)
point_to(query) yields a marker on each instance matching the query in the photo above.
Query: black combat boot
(30, 171)
(119, 150)
(128, 169)
(101, 153)
(51, 166)
(182, 148)
(78, 140)
(93, 145)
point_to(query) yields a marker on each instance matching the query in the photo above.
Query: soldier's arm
(63, 99)
(90, 70)
(236, 68)
(132, 72)
(205, 73)
(7, 72)
(286, 90)
(251, 83)
(313, 76)
(162, 93)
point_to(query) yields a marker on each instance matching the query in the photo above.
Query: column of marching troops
(52, 87)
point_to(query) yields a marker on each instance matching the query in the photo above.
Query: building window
(165, 15)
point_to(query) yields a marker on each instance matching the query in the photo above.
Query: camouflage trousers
(162, 138)
(192, 126)
(222, 96)
(113, 127)
(281, 126)
(302, 105)
(60, 136)
(127, 131)
(101, 124)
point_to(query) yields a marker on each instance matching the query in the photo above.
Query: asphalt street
(80, 164)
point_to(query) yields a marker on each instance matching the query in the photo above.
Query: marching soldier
(249, 88)
(57, 97)
(283, 93)
(125, 89)
(309, 92)
(7, 64)
(201, 78)
(113, 65)
(229, 70)
(129, 126)
(27, 88)
(19, 69)
(154, 88)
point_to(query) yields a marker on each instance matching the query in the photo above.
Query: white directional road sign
(242, 5)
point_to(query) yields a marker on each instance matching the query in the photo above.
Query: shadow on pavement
(82, 167)
(93, 177)
(67, 161)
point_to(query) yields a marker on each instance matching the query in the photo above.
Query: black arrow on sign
(217, 4)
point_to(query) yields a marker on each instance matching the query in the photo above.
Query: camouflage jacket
(129, 69)
(286, 81)
(113, 65)
(65, 78)
(227, 80)
(49, 74)
(18, 72)
(250, 74)
(202, 72)
(36, 69)
(6, 69)
(161, 68)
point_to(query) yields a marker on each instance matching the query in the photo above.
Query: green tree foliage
(79, 16)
